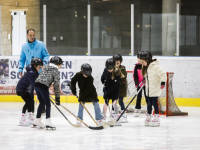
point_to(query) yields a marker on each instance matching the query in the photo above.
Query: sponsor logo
(65, 87)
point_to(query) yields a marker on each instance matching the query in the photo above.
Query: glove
(162, 87)
(105, 96)
(80, 100)
(58, 101)
(74, 92)
(144, 81)
(104, 89)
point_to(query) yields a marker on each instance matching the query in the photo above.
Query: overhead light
(75, 15)
(148, 26)
(84, 17)
(75, 12)
(138, 25)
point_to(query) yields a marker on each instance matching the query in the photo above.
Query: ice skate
(119, 122)
(30, 118)
(78, 122)
(147, 120)
(155, 122)
(104, 116)
(113, 114)
(110, 119)
(136, 113)
(49, 124)
(23, 121)
(37, 122)
(123, 119)
(100, 122)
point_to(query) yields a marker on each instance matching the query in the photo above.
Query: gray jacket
(49, 75)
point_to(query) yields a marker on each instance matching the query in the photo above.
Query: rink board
(194, 102)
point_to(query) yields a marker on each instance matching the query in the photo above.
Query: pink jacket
(137, 74)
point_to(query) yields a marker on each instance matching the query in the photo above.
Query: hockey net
(167, 104)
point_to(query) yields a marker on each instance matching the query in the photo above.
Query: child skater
(48, 75)
(138, 78)
(155, 81)
(111, 79)
(87, 92)
(123, 85)
(22, 89)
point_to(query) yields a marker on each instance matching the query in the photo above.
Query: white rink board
(186, 82)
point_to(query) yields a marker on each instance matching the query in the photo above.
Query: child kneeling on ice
(87, 91)
(22, 89)
(49, 75)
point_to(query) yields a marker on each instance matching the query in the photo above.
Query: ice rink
(175, 133)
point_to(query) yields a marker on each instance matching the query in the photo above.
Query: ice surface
(175, 133)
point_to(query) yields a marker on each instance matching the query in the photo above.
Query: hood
(29, 68)
(155, 62)
(53, 65)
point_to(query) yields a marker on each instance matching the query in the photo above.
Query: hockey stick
(89, 113)
(74, 125)
(132, 93)
(130, 102)
(93, 128)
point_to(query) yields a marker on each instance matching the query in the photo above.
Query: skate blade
(117, 124)
(124, 122)
(154, 125)
(38, 127)
(25, 125)
(50, 128)
(146, 124)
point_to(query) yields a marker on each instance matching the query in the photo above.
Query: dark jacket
(123, 83)
(87, 90)
(111, 86)
(49, 75)
(27, 80)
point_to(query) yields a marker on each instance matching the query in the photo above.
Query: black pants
(139, 97)
(31, 92)
(43, 97)
(121, 103)
(153, 101)
(28, 101)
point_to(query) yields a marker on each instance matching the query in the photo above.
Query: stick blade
(96, 128)
(76, 125)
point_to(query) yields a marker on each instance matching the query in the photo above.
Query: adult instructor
(31, 49)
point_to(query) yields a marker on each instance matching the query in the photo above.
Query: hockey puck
(111, 126)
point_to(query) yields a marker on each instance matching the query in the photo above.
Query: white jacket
(155, 75)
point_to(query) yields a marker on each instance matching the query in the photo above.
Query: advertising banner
(9, 76)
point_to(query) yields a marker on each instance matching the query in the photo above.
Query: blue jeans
(153, 101)
(98, 115)
(43, 97)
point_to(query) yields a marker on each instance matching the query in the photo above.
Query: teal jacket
(32, 50)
